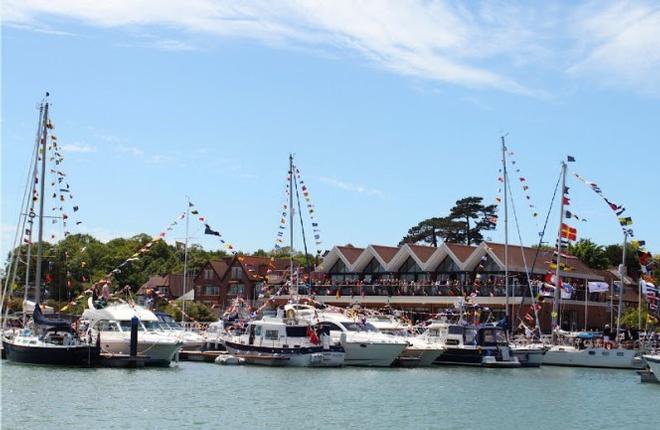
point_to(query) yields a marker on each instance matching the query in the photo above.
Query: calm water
(199, 395)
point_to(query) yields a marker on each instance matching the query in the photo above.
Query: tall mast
(622, 275)
(291, 221)
(30, 206)
(555, 302)
(506, 230)
(185, 260)
(42, 183)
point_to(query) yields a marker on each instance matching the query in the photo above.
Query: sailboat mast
(42, 183)
(291, 221)
(185, 261)
(557, 296)
(30, 206)
(506, 229)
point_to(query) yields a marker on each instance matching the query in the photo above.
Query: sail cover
(40, 319)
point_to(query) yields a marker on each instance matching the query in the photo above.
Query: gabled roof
(219, 267)
(423, 253)
(462, 252)
(385, 252)
(351, 253)
(172, 281)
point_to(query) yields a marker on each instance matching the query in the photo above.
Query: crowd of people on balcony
(490, 286)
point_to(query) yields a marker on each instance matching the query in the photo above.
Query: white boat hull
(160, 352)
(592, 357)
(371, 353)
(653, 362)
(266, 356)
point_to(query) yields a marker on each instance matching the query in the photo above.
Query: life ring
(608, 345)
(290, 313)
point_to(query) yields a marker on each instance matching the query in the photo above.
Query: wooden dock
(200, 356)
(122, 360)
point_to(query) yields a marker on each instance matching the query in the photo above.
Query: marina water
(201, 395)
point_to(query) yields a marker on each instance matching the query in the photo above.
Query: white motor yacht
(113, 324)
(274, 341)
(191, 340)
(421, 351)
(364, 344)
(587, 349)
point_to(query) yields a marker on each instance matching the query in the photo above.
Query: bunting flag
(310, 210)
(568, 232)
(568, 214)
(208, 230)
(525, 187)
(616, 208)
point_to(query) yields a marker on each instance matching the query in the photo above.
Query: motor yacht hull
(653, 362)
(529, 357)
(372, 354)
(476, 357)
(592, 357)
(159, 352)
(426, 356)
(297, 357)
(76, 355)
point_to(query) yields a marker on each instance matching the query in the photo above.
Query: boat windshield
(126, 326)
(151, 325)
(354, 326)
(492, 337)
(470, 336)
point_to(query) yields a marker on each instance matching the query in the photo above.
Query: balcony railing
(459, 290)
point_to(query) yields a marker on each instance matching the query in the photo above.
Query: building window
(447, 266)
(236, 272)
(211, 291)
(165, 291)
(208, 274)
(236, 289)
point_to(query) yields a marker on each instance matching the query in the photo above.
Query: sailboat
(585, 349)
(43, 340)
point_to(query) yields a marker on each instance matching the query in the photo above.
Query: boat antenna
(558, 283)
(42, 183)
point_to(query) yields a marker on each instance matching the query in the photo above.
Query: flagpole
(557, 296)
(506, 231)
(291, 225)
(185, 262)
(586, 303)
(611, 303)
(622, 274)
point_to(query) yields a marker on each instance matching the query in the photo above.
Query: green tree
(630, 318)
(464, 224)
(196, 310)
(615, 252)
(591, 254)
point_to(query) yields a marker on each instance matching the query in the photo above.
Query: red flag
(568, 232)
(566, 201)
(313, 338)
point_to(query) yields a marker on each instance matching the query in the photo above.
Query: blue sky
(393, 109)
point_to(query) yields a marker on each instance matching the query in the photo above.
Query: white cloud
(493, 45)
(134, 151)
(433, 40)
(623, 42)
(78, 147)
(349, 186)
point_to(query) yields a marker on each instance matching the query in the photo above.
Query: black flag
(208, 230)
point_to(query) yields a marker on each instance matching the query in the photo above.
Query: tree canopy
(464, 224)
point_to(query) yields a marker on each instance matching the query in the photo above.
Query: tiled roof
(385, 252)
(422, 252)
(351, 253)
(172, 281)
(462, 252)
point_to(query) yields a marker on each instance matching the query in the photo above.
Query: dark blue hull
(76, 356)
